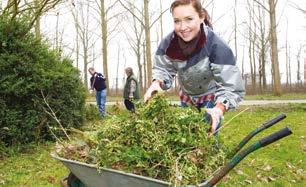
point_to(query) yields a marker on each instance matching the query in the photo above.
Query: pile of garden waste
(161, 141)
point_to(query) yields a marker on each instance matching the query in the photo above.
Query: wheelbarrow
(92, 176)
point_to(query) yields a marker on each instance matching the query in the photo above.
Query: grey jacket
(211, 70)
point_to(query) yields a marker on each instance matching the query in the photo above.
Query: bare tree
(148, 41)
(35, 9)
(135, 41)
(251, 41)
(274, 57)
(84, 33)
(273, 41)
(117, 71)
(262, 45)
(296, 6)
(144, 20)
(287, 58)
(105, 18)
(298, 73)
(235, 29)
(37, 22)
(75, 14)
(161, 19)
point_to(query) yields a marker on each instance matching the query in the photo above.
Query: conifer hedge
(31, 75)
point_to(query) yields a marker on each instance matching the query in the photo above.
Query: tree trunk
(298, 73)
(85, 68)
(289, 66)
(274, 56)
(254, 59)
(304, 69)
(242, 63)
(148, 42)
(117, 72)
(161, 20)
(12, 6)
(145, 75)
(235, 30)
(104, 42)
(37, 22)
(138, 56)
(57, 32)
(287, 59)
(77, 35)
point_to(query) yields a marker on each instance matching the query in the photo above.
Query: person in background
(97, 82)
(204, 63)
(131, 90)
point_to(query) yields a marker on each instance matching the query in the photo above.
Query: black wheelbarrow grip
(243, 153)
(256, 131)
(273, 121)
(275, 136)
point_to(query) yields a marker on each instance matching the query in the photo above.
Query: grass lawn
(280, 164)
(288, 96)
(30, 166)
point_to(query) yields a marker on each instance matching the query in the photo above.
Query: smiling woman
(204, 63)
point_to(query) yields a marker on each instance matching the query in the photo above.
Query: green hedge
(28, 68)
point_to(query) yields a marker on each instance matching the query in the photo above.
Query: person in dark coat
(97, 82)
(131, 90)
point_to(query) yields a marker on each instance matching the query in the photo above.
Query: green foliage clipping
(29, 70)
(160, 141)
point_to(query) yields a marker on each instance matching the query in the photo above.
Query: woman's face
(187, 22)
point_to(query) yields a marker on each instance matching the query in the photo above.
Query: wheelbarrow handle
(264, 126)
(275, 136)
(243, 153)
(273, 121)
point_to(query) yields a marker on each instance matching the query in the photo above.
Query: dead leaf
(259, 176)
(191, 156)
(303, 147)
(304, 176)
(262, 178)
(267, 168)
(277, 146)
(300, 171)
(51, 179)
(289, 165)
(271, 179)
(226, 178)
(239, 172)
(58, 148)
(248, 181)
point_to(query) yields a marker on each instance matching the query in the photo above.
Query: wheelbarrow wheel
(73, 181)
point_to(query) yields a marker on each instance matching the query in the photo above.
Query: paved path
(246, 102)
(265, 102)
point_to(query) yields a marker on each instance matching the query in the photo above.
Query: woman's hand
(215, 115)
(153, 89)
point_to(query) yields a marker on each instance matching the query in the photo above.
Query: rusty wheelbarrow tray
(92, 176)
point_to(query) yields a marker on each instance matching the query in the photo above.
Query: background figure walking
(131, 90)
(97, 82)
